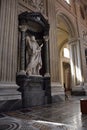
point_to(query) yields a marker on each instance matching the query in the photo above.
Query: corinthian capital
(23, 28)
(46, 38)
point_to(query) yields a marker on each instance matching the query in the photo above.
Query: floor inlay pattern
(58, 116)
(9, 123)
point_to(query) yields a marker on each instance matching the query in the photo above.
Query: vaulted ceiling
(62, 31)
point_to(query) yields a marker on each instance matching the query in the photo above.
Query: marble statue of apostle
(35, 61)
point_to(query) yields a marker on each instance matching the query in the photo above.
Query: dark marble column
(47, 68)
(47, 82)
(22, 50)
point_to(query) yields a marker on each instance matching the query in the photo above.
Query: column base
(58, 93)
(8, 91)
(10, 98)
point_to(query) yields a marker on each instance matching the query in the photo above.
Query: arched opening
(65, 32)
(65, 70)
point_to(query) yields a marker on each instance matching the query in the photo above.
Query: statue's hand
(40, 47)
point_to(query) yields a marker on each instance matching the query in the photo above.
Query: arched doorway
(69, 52)
(65, 69)
(67, 75)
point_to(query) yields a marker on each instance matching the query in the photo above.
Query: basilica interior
(43, 64)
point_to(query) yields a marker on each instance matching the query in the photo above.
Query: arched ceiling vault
(65, 30)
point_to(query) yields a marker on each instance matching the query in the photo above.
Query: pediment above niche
(34, 22)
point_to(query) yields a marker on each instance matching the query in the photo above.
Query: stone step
(78, 91)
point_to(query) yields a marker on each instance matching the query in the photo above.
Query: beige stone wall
(54, 9)
(79, 26)
(82, 30)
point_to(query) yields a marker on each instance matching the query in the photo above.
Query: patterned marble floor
(59, 116)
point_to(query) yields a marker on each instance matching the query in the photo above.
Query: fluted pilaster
(52, 41)
(8, 40)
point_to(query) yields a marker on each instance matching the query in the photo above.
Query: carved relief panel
(35, 5)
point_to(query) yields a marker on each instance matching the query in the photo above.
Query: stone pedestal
(32, 90)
